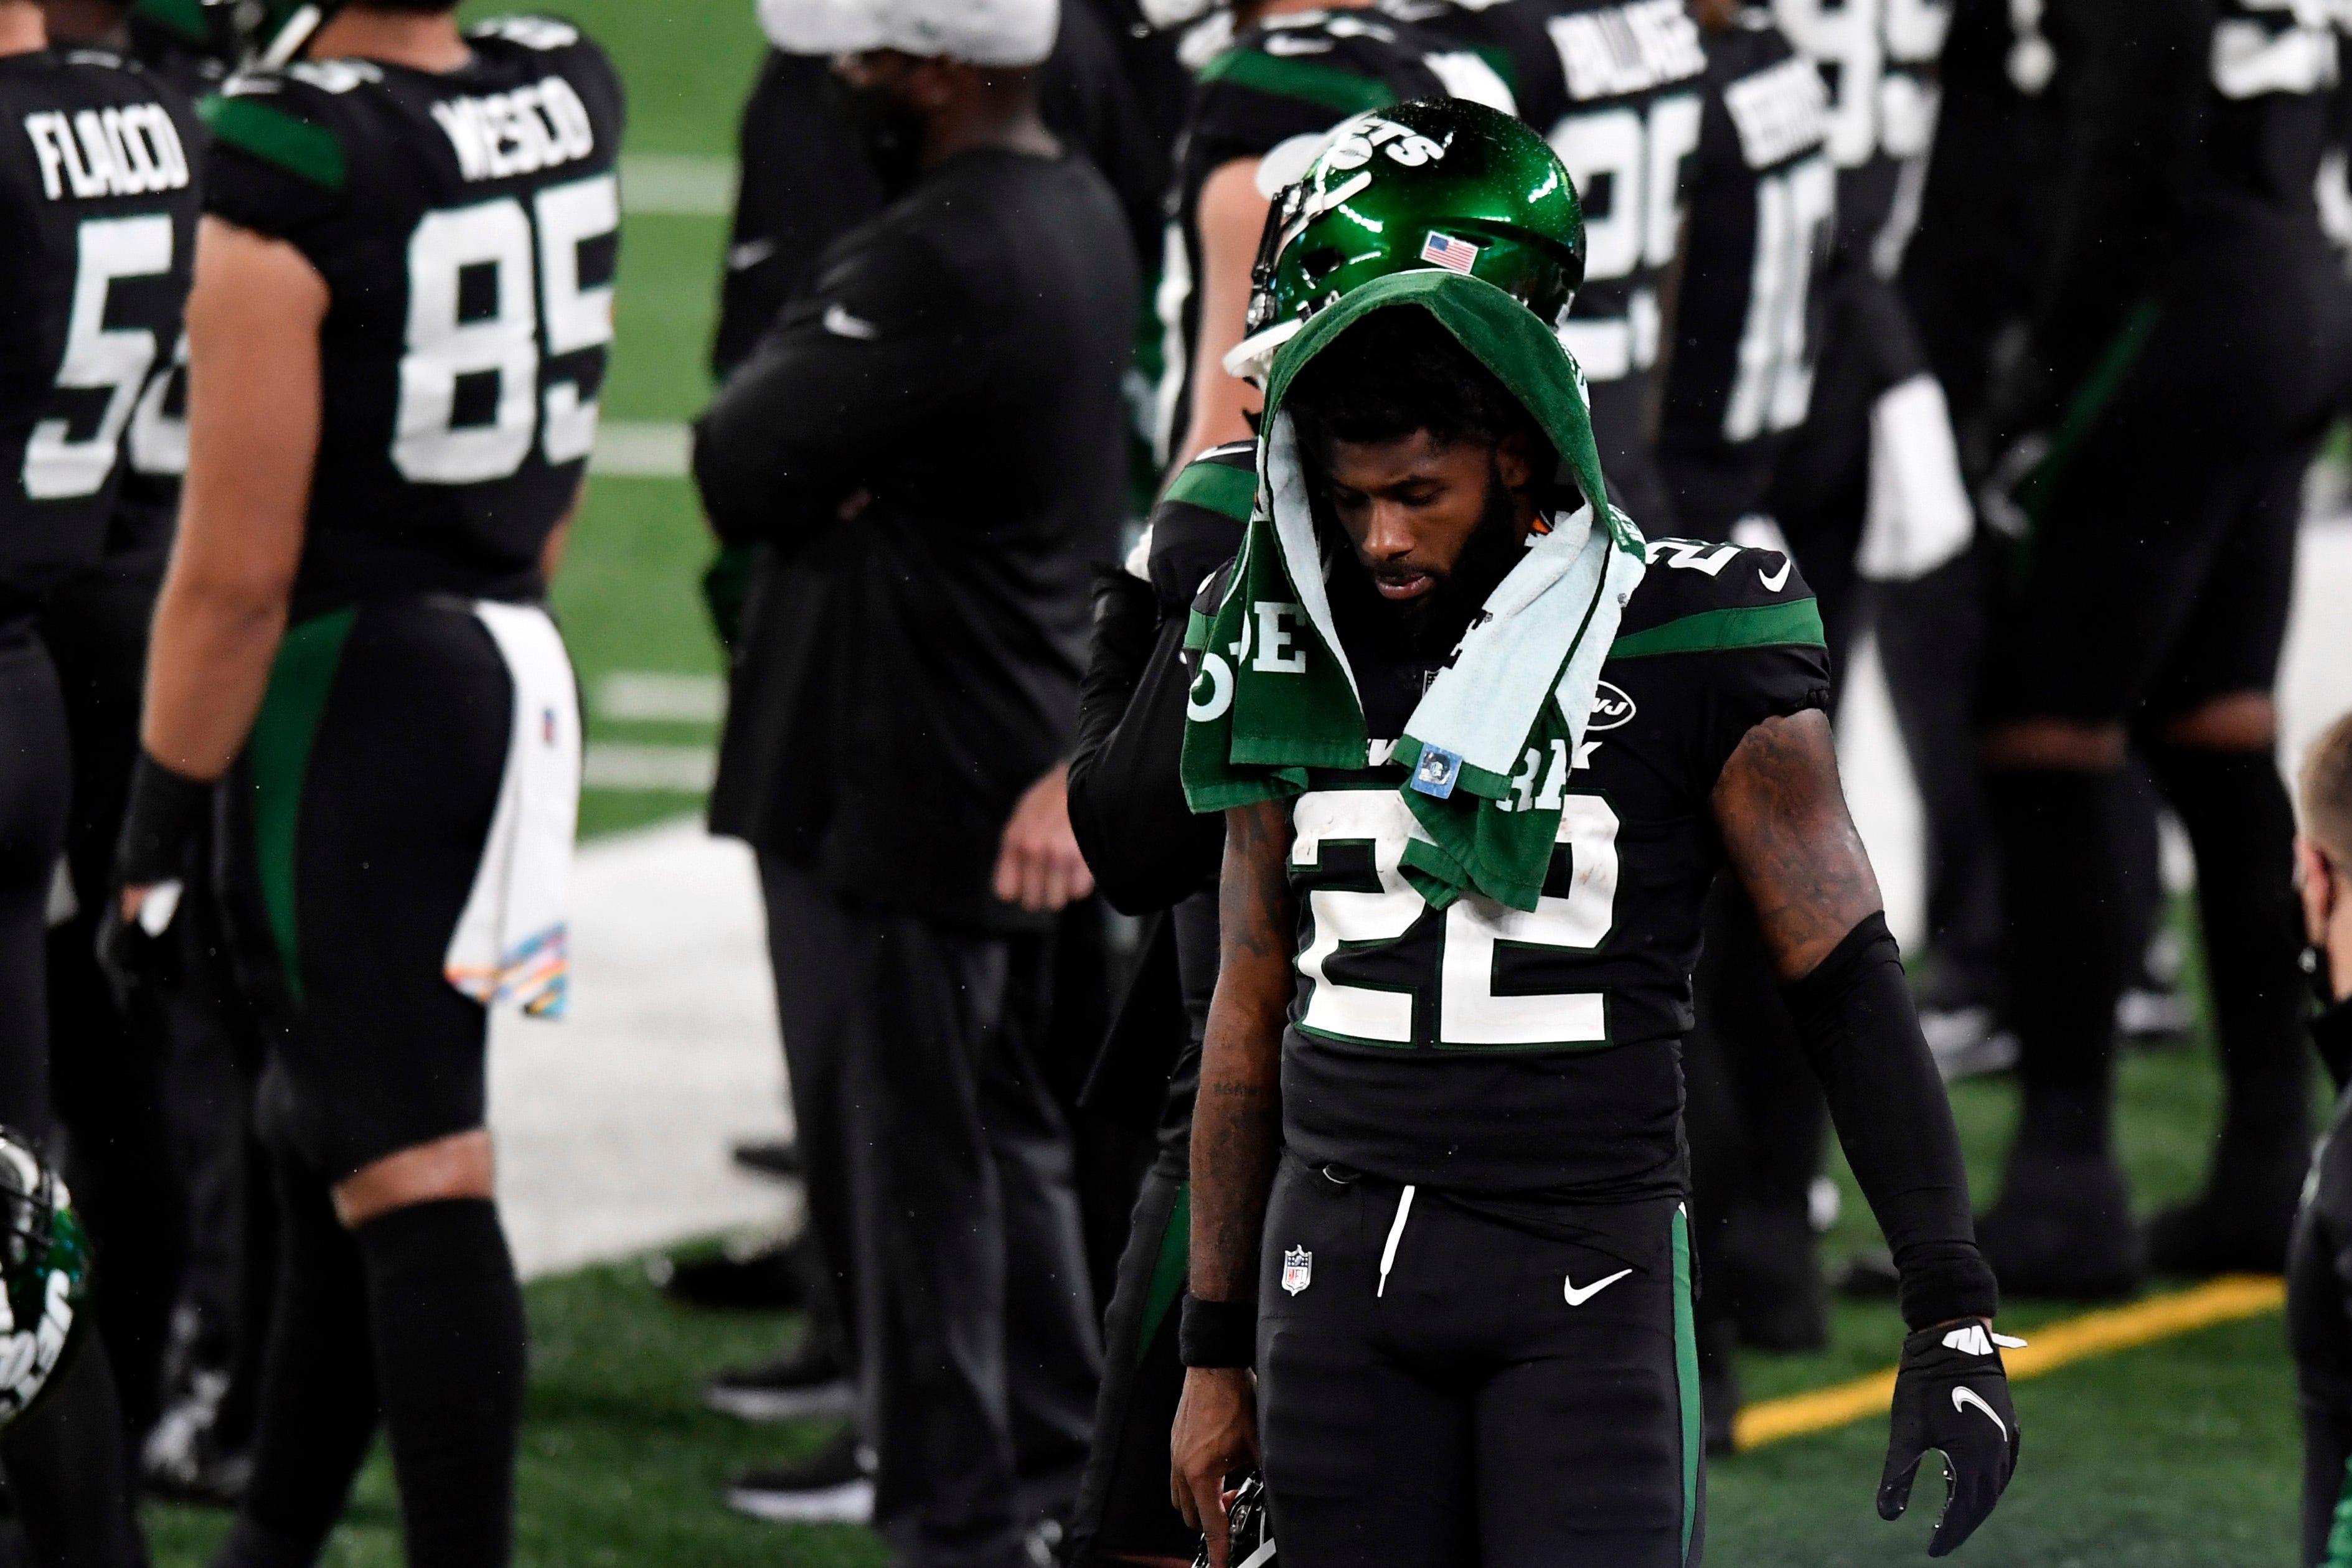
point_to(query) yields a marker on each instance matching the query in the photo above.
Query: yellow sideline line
(2062, 1343)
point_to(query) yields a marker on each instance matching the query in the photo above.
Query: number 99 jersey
(1484, 1049)
(467, 225)
(97, 204)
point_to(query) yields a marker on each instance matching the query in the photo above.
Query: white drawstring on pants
(1396, 1234)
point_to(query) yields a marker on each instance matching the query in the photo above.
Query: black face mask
(891, 134)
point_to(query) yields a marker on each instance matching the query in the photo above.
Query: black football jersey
(99, 197)
(1746, 324)
(1290, 77)
(1480, 1048)
(1878, 58)
(467, 227)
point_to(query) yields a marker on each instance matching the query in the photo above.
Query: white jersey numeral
(1471, 935)
(533, 272)
(1639, 159)
(1854, 42)
(158, 441)
(98, 357)
(1772, 386)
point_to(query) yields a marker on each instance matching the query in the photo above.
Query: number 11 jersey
(467, 225)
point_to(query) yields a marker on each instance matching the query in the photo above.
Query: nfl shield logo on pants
(1298, 1269)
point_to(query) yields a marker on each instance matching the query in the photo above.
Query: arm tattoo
(1236, 1120)
(1788, 833)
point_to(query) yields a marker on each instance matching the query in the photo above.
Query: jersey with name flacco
(466, 223)
(100, 201)
(1478, 1047)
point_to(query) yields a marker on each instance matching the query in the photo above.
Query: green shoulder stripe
(1215, 487)
(265, 131)
(1333, 88)
(1797, 623)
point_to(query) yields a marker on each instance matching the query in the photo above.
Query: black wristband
(1216, 1333)
(161, 822)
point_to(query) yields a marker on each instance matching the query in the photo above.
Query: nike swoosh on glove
(1951, 1394)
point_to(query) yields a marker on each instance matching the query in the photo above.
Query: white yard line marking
(642, 449)
(677, 185)
(655, 696)
(663, 769)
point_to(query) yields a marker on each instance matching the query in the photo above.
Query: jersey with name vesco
(98, 199)
(467, 227)
(1484, 1050)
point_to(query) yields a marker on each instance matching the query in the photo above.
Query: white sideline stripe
(665, 769)
(641, 449)
(653, 696)
(678, 184)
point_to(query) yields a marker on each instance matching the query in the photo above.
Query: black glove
(163, 824)
(1951, 1394)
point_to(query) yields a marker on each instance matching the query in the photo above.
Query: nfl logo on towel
(1298, 1269)
(1454, 255)
(1436, 771)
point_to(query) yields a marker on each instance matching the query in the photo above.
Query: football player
(1294, 69)
(2187, 353)
(1497, 192)
(397, 339)
(98, 181)
(2319, 1255)
(1478, 773)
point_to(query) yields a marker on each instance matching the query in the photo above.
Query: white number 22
(530, 281)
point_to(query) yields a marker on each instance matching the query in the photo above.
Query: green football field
(2182, 1452)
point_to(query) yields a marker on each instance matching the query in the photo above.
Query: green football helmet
(1441, 183)
(45, 1260)
(262, 34)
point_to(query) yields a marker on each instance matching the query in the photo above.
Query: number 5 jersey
(99, 197)
(467, 225)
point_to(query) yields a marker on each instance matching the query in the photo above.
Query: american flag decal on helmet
(1454, 255)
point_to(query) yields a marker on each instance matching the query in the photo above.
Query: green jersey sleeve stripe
(1342, 91)
(1215, 487)
(1797, 623)
(274, 136)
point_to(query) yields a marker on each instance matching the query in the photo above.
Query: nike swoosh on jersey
(842, 324)
(1577, 1298)
(1774, 581)
(749, 253)
(1964, 1397)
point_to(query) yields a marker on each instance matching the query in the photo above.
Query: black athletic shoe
(766, 1279)
(1770, 1257)
(2238, 1224)
(806, 1382)
(184, 1459)
(777, 1157)
(833, 1485)
(2063, 1228)
(1960, 1013)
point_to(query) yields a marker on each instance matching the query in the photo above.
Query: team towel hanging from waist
(1281, 698)
(512, 944)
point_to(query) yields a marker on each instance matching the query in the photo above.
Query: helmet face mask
(1446, 184)
(45, 1260)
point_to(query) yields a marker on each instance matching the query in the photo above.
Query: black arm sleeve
(1860, 1030)
(1144, 845)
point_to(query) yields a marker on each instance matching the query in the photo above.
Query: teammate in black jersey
(398, 336)
(2189, 350)
(1472, 1314)
(1295, 69)
(2319, 1255)
(98, 176)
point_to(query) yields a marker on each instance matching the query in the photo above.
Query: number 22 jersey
(1482, 1049)
(466, 223)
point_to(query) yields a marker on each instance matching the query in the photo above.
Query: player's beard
(1431, 624)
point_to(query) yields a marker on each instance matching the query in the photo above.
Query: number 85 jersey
(1486, 1050)
(467, 224)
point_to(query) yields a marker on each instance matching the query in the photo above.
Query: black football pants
(939, 1174)
(1444, 1387)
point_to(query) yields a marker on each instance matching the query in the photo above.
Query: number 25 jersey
(1484, 1049)
(466, 223)
(97, 204)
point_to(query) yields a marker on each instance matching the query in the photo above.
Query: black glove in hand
(142, 955)
(1951, 1394)
(162, 825)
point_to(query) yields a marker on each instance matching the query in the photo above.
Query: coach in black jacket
(930, 440)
